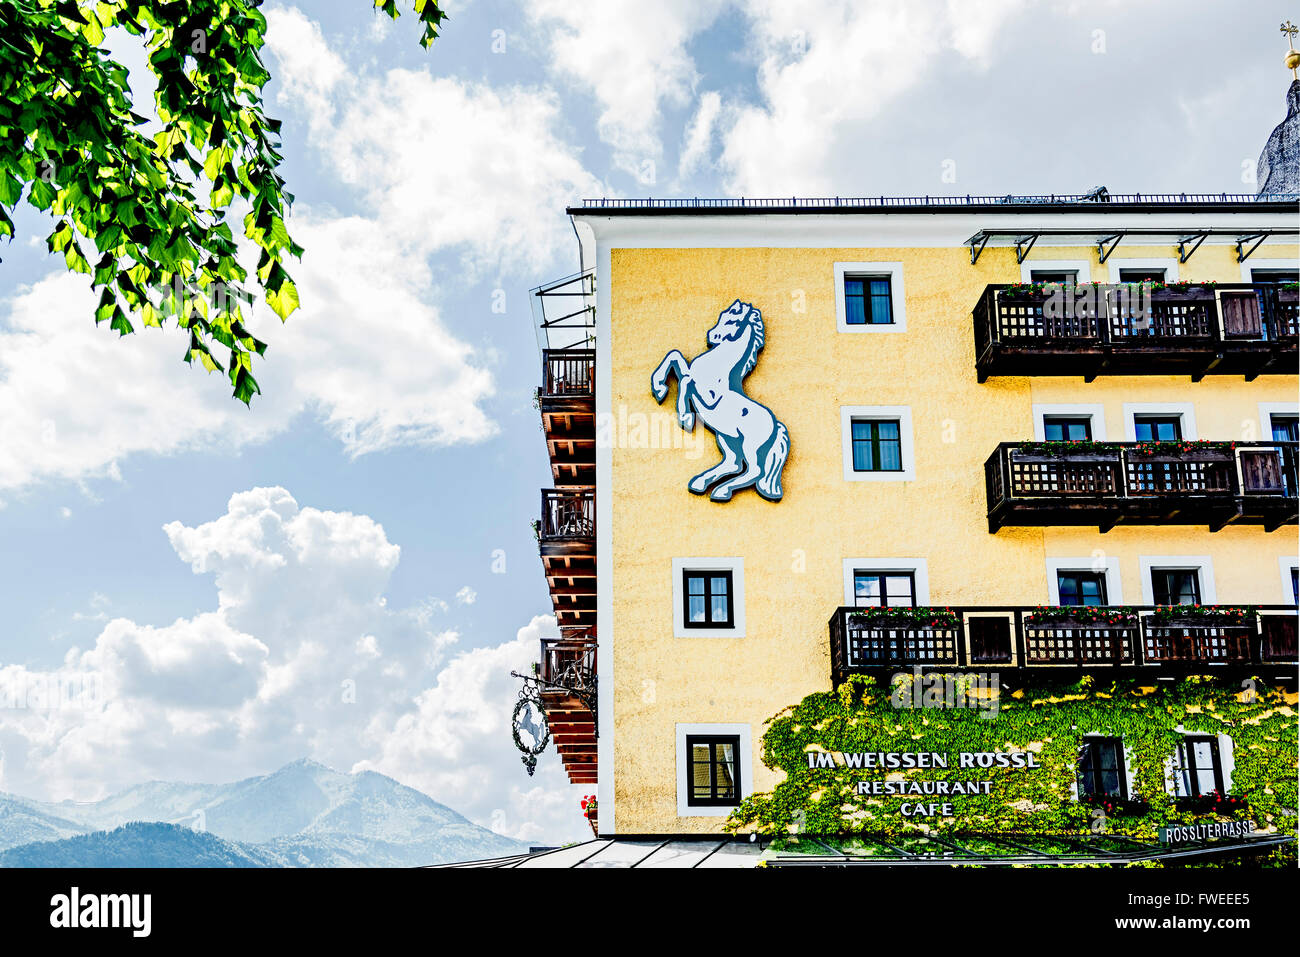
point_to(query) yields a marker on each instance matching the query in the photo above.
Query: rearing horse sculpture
(753, 443)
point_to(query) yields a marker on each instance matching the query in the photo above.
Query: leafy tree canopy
(148, 219)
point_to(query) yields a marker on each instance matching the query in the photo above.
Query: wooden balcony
(1106, 483)
(567, 401)
(567, 679)
(1229, 329)
(566, 536)
(1146, 639)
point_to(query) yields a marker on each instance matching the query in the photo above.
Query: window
(1057, 428)
(1141, 275)
(713, 770)
(1175, 586)
(867, 300)
(1081, 588)
(1274, 275)
(877, 445)
(1286, 428)
(1197, 767)
(1101, 768)
(869, 297)
(1295, 585)
(1157, 428)
(1064, 276)
(708, 596)
(873, 589)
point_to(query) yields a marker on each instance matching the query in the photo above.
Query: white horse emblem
(753, 443)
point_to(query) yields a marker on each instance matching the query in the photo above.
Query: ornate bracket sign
(754, 444)
(529, 726)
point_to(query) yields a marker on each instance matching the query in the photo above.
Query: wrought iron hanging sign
(529, 726)
(753, 442)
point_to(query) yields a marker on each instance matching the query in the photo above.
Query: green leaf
(283, 300)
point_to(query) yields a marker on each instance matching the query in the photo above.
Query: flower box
(1201, 616)
(889, 617)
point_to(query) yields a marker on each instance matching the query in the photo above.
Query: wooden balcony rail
(1229, 328)
(564, 659)
(1014, 637)
(1049, 483)
(567, 516)
(568, 372)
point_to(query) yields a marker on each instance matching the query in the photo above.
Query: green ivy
(1049, 720)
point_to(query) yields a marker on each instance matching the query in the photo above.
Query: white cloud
(632, 57)
(301, 656)
(699, 135)
(467, 596)
(826, 67)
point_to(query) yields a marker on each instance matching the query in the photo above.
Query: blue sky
(430, 184)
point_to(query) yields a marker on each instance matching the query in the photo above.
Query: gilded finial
(1292, 55)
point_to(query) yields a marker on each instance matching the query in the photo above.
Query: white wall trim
(898, 302)
(1096, 412)
(737, 568)
(745, 761)
(1169, 265)
(604, 549)
(1083, 266)
(1108, 565)
(903, 413)
(1284, 566)
(1202, 563)
(1186, 410)
(1256, 263)
(1268, 409)
(917, 566)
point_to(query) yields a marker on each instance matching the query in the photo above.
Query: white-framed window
(1084, 581)
(1105, 768)
(1177, 579)
(877, 443)
(715, 768)
(1050, 270)
(708, 597)
(1152, 417)
(1273, 416)
(1288, 567)
(869, 297)
(1266, 267)
(886, 581)
(1139, 270)
(1065, 418)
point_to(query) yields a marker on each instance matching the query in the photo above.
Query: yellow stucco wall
(661, 299)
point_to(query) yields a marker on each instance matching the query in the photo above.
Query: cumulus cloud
(302, 655)
(826, 67)
(632, 57)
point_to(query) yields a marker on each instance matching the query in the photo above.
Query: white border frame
(1285, 564)
(1096, 412)
(737, 568)
(1170, 266)
(1253, 263)
(1203, 564)
(1186, 410)
(1268, 409)
(1082, 266)
(917, 566)
(745, 758)
(903, 413)
(1109, 567)
(897, 300)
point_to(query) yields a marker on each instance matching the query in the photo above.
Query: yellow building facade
(662, 275)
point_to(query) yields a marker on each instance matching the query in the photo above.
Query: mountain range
(303, 815)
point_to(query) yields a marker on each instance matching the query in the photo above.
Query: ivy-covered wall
(1049, 721)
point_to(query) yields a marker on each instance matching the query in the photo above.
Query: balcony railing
(1230, 328)
(568, 372)
(569, 660)
(1147, 637)
(567, 517)
(1213, 484)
